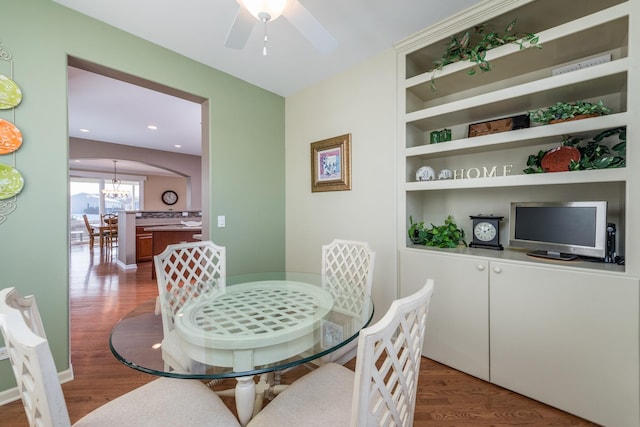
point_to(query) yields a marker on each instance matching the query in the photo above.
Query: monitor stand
(552, 255)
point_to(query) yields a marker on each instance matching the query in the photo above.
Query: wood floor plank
(101, 293)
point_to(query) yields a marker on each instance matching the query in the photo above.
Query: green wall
(246, 143)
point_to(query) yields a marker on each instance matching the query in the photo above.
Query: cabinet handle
(480, 267)
(497, 270)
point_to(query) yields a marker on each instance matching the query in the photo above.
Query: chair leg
(109, 241)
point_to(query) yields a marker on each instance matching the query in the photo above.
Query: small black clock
(170, 197)
(486, 232)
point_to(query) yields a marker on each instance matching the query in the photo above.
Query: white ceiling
(109, 110)
(197, 29)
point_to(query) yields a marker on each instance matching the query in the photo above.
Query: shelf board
(587, 36)
(531, 136)
(519, 255)
(423, 48)
(555, 178)
(587, 83)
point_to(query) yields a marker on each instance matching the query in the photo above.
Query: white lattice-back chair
(188, 402)
(381, 391)
(185, 271)
(347, 266)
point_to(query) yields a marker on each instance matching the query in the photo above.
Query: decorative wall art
(10, 93)
(10, 137)
(11, 180)
(331, 164)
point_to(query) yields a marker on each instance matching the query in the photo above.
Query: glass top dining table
(241, 326)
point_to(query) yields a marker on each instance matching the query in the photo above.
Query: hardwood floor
(100, 294)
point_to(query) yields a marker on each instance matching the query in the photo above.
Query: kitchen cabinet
(168, 235)
(144, 244)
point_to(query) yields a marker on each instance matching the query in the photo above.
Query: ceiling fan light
(258, 8)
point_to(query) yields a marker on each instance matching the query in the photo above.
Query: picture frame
(331, 164)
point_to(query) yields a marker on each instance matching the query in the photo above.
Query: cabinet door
(567, 338)
(144, 245)
(458, 321)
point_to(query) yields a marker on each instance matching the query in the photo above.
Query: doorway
(146, 127)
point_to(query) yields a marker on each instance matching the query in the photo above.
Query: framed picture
(331, 164)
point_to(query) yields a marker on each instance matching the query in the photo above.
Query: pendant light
(115, 192)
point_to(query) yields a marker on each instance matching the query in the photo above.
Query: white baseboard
(126, 266)
(11, 395)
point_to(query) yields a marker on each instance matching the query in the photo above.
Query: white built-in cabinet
(566, 338)
(458, 332)
(566, 334)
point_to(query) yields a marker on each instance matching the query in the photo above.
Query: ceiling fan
(252, 11)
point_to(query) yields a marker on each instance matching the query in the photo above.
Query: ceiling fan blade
(240, 29)
(310, 27)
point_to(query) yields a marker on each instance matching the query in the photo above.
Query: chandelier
(115, 192)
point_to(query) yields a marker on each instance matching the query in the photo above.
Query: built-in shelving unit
(521, 80)
(489, 175)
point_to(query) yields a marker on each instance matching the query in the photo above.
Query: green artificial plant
(473, 44)
(593, 154)
(567, 111)
(448, 235)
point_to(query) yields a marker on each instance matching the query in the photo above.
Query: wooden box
(499, 125)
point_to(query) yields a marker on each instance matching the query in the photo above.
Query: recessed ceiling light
(152, 127)
(177, 145)
(84, 130)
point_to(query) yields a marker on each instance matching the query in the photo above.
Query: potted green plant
(593, 154)
(417, 232)
(448, 235)
(564, 111)
(473, 44)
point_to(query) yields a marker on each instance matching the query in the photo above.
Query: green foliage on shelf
(568, 111)
(534, 163)
(448, 235)
(593, 155)
(473, 44)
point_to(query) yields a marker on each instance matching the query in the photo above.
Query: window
(131, 203)
(86, 198)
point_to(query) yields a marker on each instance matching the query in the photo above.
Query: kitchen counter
(136, 230)
(173, 227)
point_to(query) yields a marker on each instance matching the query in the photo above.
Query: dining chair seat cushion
(320, 398)
(165, 401)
